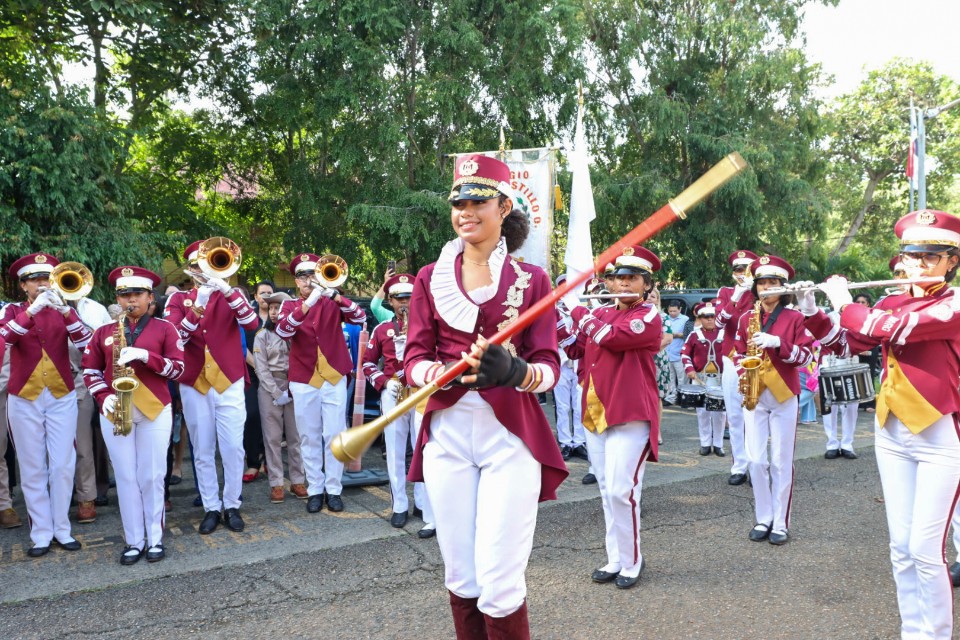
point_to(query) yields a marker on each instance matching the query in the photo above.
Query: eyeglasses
(706, 317)
(739, 269)
(913, 259)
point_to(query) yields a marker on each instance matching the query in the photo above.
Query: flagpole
(911, 160)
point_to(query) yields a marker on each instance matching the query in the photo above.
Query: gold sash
(211, 376)
(897, 394)
(595, 419)
(45, 374)
(770, 379)
(323, 372)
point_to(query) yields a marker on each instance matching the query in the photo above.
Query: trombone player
(42, 400)
(319, 365)
(209, 318)
(139, 458)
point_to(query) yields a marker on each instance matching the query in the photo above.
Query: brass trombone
(331, 271)
(217, 257)
(71, 280)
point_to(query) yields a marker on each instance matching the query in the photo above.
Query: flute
(801, 287)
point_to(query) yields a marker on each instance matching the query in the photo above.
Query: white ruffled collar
(455, 307)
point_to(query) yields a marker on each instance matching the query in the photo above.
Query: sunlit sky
(864, 34)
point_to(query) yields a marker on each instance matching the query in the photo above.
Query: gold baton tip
(709, 182)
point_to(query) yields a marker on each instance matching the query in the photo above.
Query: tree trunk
(847, 239)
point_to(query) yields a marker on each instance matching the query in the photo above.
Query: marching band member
(733, 302)
(271, 355)
(701, 356)
(568, 396)
(42, 401)
(389, 341)
(139, 459)
(486, 450)
(844, 413)
(209, 318)
(917, 441)
(616, 344)
(319, 366)
(786, 346)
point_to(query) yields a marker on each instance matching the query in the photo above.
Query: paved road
(351, 575)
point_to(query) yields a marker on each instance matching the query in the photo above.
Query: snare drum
(847, 383)
(691, 396)
(714, 400)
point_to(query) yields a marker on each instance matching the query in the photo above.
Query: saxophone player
(155, 355)
(42, 400)
(778, 335)
(388, 340)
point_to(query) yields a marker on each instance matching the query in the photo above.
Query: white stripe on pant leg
(152, 439)
(231, 414)
(733, 402)
(333, 409)
(395, 436)
(451, 477)
(306, 405)
(783, 440)
(757, 432)
(596, 451)
(421, 497)
(627, 448)
(199, 414)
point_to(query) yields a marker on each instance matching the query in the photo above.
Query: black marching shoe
(589, 478)
(760, 532)
(625, 582)
(428, 531)
(704, 451)
(315, 503)
(580, 451)
(36, 552)
(955, 574)
(72, 545)
(565, 451)
(334, 503)
(717, 451)
(233, 520)
(417, 513)
(778, 538)
(156, 553)
(602, 577)
(131, 555)
(849, 455)
(737, 479)
(832, 454)
(399, 519)
(210, 522)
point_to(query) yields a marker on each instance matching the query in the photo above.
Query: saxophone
(750, 384)
(124, 384)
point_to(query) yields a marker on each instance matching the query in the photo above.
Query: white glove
(393, 388)
(203, 295)
(807, 300)
(42, 301)
(129, 354)
(328, 292)
(219, 285)
(283, 399)
(109, 404)
(836, 289)
(741, 289)
(571, 300)
(314, 296)
(763, 340)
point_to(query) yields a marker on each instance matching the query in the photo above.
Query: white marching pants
(568, 397)
(43, 431)
(920, 474)
(484, 485)
(404, 429)
(216, 419)
(6, 501)
(710, 424)
(772, 476)
(733, 402)
(619, 458)
(320, 417)
(139, 464)
(847, 415)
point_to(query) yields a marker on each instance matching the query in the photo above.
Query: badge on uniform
(108, 341)
(188, 303)
(390, 333)
(637, 325)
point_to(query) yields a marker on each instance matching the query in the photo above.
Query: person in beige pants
(271, 356)
(8, 516)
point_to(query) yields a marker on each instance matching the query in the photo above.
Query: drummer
(842, 411)
(702, 361)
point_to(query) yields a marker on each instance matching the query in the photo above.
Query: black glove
(456, 382)
(499, 369)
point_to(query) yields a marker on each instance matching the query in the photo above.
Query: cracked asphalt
(351, 575)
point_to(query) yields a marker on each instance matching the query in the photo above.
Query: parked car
(687, 298)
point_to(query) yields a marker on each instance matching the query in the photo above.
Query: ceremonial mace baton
(349, 445)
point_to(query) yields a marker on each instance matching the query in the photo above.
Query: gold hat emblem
(926, 217)
(126, 272)
(304, 257)
(469, 167)
(764, 260)
(628, 251)
(40, 259)
(404, 279)
(741, 254)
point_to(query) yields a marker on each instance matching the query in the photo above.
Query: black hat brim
(924, 248)
(624, 270)
(472, 191)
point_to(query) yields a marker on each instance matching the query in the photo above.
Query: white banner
(532, 173)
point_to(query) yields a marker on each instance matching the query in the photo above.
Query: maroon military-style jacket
(383, 343)
(616, 349)
(728, 315)
(796, 345)
(696, 350)
(165, 362)
(29, 338)
(217, 330)
(920, 340)
(318, 328)
(432, 341)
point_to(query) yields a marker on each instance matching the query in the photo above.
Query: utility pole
(922, 116)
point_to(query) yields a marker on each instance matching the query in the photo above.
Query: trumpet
(71, 280)
(217, 257)
(331, 272)
(800, 287)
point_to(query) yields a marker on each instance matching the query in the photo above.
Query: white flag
(579, 255)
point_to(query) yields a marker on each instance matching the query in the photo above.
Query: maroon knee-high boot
(467, 619)
(512, 627)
